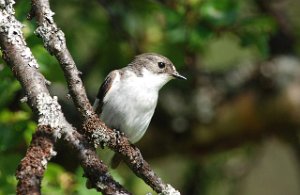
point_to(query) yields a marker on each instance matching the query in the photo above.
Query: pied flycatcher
(127, 99)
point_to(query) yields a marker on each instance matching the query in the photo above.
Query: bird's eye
(161, 64)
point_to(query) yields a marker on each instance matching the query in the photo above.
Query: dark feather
(104, 88)
(115, 161)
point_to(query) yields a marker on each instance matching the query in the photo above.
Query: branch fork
(52, 124)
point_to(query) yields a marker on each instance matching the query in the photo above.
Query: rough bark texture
(52, 123)
(96, 172)
(93, 128)
(55, 43)
(32, 167)
(132, 155)
(51, 120)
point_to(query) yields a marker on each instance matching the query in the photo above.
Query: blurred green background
(233, 128)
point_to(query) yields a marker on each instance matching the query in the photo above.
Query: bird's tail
(115, 161)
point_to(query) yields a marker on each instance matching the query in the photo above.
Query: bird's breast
(130, 107)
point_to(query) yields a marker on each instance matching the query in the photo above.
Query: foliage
(210, 38)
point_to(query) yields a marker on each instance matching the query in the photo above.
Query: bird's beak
(178, 76)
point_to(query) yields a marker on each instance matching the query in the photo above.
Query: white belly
(129, 107)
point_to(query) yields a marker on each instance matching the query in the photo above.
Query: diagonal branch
(55, 43)
(93, 128)
(51, 119)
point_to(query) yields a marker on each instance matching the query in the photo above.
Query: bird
(127, 98)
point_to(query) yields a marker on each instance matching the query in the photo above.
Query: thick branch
(24, 66)
(33, 165)
(93, 128)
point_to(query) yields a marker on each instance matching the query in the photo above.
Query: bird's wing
(104, 89)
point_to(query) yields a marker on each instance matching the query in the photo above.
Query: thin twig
(55, 43)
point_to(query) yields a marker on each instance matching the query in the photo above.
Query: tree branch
(51, 119)
(33, 165)
(93, 128)
(55, 43)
